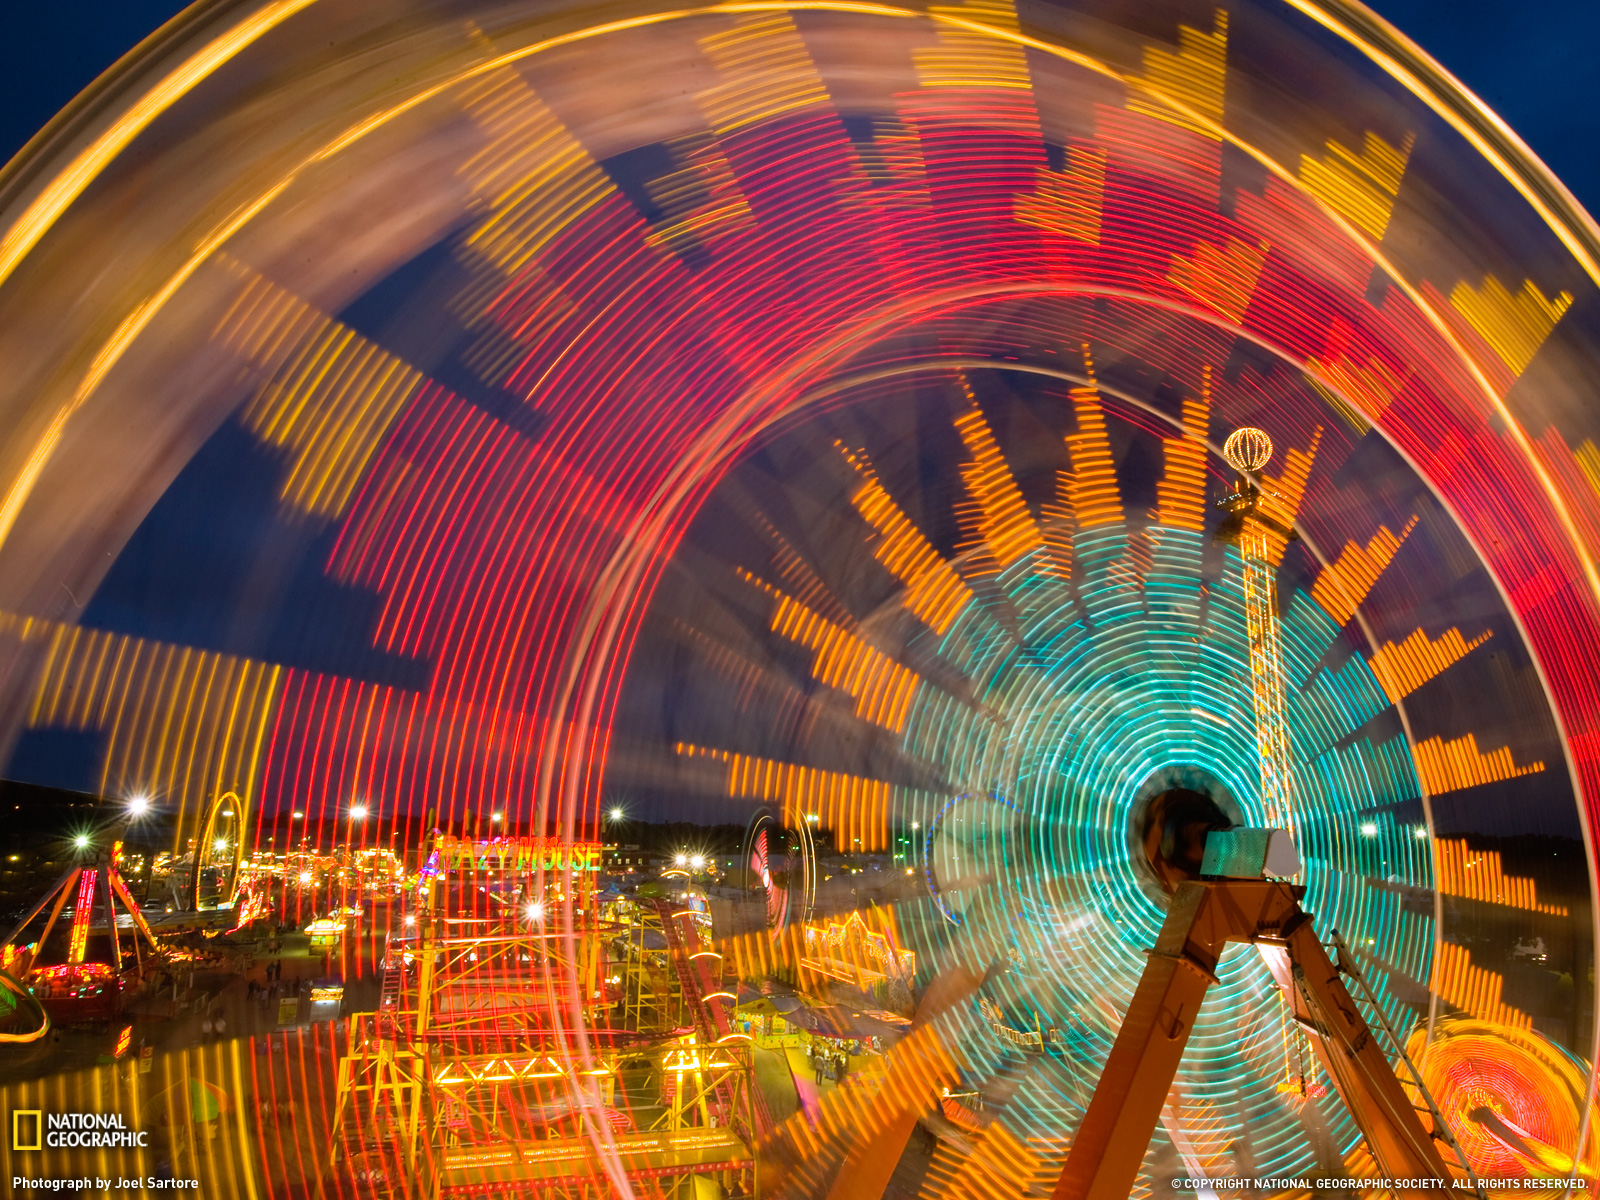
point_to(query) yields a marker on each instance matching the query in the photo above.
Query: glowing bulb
(697, 861)
(305, 876)
(535, 911)
(139, 805)
(915, 825)
(81, 840)
(1421, 831)
(616, 814)
(220, 844)
(359, 812)
(1370, 829)
(681, 860)
(1247, 449)
(410, 921)
(297, 816)
(494, 816)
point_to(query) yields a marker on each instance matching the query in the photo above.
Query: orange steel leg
(1205, 916)
(1352, 1058)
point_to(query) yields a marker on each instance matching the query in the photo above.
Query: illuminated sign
(530, 853)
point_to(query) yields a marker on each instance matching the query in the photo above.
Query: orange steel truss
(502, 1057)
(1205, 916)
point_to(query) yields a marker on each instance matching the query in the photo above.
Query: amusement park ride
(524, 1017)
(1241, 894)
(87, 967)
(96, 952)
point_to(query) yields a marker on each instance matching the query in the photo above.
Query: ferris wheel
(814, 418)
(780, 865)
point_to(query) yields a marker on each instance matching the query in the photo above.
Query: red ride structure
(86, 964)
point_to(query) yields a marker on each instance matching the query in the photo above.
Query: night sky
(1529, 61)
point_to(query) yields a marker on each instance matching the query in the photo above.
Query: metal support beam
(1205, 916)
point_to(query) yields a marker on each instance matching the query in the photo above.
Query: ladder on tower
(1385, 1034)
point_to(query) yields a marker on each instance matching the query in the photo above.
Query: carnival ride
(781, 865)
(87, 968)
(1240, 893)
(822, 407)
(516, 1025)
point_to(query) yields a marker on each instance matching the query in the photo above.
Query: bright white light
(915, 825)
(220, 844)
(227, 812)
(1370, 829)
(535, 911)
(1421, 831)
(681, 860)
(494, 816)
(410, 921)
(81, 840)
(697, 861)
(305, 876)
(811, 816)
(359, 812)
(297, 816)
(616, 814)
(139, 805)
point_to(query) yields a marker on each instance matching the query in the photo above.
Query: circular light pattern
(1514, 1100)
(1248, 449)
(818, 408)
(781, 865)
(961, 849)
(1073, 727)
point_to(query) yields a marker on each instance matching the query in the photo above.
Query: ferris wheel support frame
(1206, 915)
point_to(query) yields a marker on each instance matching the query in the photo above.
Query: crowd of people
(828, 1060)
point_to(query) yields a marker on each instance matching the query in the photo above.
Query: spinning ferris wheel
(812, 419)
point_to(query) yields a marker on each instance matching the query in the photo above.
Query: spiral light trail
(455, 456)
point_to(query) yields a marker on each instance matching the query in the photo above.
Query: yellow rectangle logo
(27, 1129)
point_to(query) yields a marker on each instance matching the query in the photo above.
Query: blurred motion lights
(809, 420)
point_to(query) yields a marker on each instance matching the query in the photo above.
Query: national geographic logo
(27, 1129)
(34, 1129)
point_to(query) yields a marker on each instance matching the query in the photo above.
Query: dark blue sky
(1529, 60)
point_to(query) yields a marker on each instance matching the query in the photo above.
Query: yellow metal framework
(1266, 673)
(491, 1066)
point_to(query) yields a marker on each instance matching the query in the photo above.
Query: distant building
(619, 859)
